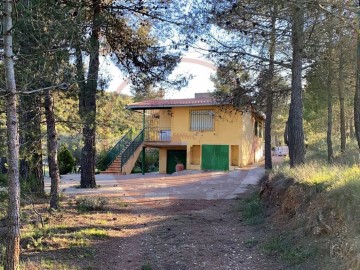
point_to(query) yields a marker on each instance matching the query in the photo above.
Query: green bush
(31, 186)
(100, 161)
(66, 160)
(3, 205)
(151, 161)
(91, 204)
(3, 180)
(146, 266)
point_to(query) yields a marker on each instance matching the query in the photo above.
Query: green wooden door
(173, 156)
(215, 157)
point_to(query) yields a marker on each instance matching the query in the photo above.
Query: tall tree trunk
(329, 116)
(269, 93)
(13, 220)
(357, 88)
(31, 160)
(329, 128)
(31, 166)
(295, 122)
(351, 128)
(341, 88)
(88, 103)
(342, 102)
(52, 150)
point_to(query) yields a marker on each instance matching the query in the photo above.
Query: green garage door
(215, 157)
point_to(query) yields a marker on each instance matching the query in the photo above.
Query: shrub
(151, 161)
(31, 186)
(3, 180)
(285, 247)
(252, 209)
(333, 213)
(146, 266)
(101, 161)
(66, 160)
(3, 206)
(86, 204)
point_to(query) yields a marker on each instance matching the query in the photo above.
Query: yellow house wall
(247, 156)
(252, 146)
(195, 154)
(231, 128)
(162, 160)
(165, 118)
(129, 165)
(227, 130)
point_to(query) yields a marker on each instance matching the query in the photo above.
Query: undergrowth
(285, 247)
(49, 238)
(86, 204)
(335, 206)
(45, 264)
(3, 204)
(252, 209)
(340, 183)
(146, 266)
(3, 180)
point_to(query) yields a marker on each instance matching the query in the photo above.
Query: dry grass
(72, 235)
(333, 197)
(314, 173)
(45, 264)
(340, 183)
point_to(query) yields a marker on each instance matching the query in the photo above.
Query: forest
(296, 61)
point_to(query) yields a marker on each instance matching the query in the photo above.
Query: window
(202, 120)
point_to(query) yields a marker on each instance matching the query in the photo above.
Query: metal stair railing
(132, 147)
(118, 148)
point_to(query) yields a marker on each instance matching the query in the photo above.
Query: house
(199, 132)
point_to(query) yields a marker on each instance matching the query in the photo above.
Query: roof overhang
(139, 107)
(194, 102)
(172, 103)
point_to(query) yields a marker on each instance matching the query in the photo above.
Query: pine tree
(13, 220)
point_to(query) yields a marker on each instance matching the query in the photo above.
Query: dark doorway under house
(174, 157)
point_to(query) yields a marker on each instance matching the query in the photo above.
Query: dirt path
(186, 234)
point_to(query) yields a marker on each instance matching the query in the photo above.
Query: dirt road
(187, 234)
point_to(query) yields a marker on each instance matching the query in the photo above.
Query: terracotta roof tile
(168, 103)
(186, 102)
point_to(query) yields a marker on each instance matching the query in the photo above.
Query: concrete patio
(184, 185)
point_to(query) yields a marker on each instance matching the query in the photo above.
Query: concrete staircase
(129, 165)
(115, 167)
(126, 155)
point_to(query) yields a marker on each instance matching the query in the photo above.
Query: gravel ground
(187, 234)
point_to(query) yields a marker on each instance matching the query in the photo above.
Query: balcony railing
(157, 134)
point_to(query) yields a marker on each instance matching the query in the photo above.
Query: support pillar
(143, 161)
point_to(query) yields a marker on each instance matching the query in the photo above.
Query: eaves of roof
(170, 103)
